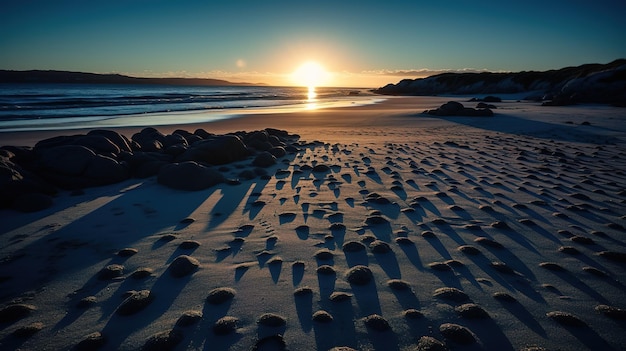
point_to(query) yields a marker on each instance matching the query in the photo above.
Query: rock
(183, 265)
(66, 159)
(163, 341)
(457, 333)
(225, 325)
(451, 294)
(428, 343)
(188, 318)
(189, 176)
(116, 138)
(220, 295)
(105, 170)
(278, 151)
(566, 319)
(91, 342)
(15, 312)
(453, 108)
(149, 139)
(491, 98)
(484, 105)
(450, 108)
(145, 164)
(322, 317)
(28, 330)
(136, 302)
(217, 151)
(98, 143)
(359, 275)
(264, 159)
(111, 271)
(376, 322)
(271, 320)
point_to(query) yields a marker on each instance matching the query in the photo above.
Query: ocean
(69, 106)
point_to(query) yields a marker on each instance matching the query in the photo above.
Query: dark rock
(163, 341)
(220, 295)
(28, 330)
(105, 170)
(359, 275)
(183, 265)
(15, 312)
(322, 317)
(457, 333)
(111, 271)
(116, 138)
(484, 105)
(453, 108)
(66, 160)
(189, 176)
(264, 159)
(149, 139)
(452, 294)
(271, 320)
(91, 342)
(217, 151)
(278, 151)
(188, 318)
(376, 322)
(134, 303)
(428, 343)
(98, 143)
(491, 98)
(225, 325)
(565, 318)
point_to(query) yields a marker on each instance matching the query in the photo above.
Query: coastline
(511, 215)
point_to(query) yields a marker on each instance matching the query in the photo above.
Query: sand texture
(387, 230)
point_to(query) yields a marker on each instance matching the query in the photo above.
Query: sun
(310, 74)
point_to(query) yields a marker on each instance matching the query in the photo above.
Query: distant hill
(596, 83)
(38, 76)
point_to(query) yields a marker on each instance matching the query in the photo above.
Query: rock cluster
(31, 176)
(454, 108)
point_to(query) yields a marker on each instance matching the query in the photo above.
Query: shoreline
(392, 110)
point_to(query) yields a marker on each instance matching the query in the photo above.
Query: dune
(386, 229)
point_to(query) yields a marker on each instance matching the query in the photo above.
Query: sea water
(59, 106)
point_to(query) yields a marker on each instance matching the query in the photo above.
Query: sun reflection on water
(311, 102)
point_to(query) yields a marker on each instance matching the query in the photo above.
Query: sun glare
(310, 74)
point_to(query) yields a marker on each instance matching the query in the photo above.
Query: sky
(359, 43)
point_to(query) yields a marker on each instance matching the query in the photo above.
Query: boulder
(149, 139)
(98, 144)
(454, 108)
(105, 170)
(189, 137)
(278, 151)
(217, 151)
(66, 159)
(116, 138)
(264, 159)
(189, 176)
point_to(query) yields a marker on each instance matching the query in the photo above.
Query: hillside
(598, 83)
(39, 76)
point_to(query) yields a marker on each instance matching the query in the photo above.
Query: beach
(383, 229)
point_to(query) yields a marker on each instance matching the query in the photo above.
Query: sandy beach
(387, 229)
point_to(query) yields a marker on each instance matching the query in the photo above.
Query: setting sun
(310, 74)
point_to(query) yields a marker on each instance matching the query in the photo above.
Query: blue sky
(361, 43)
